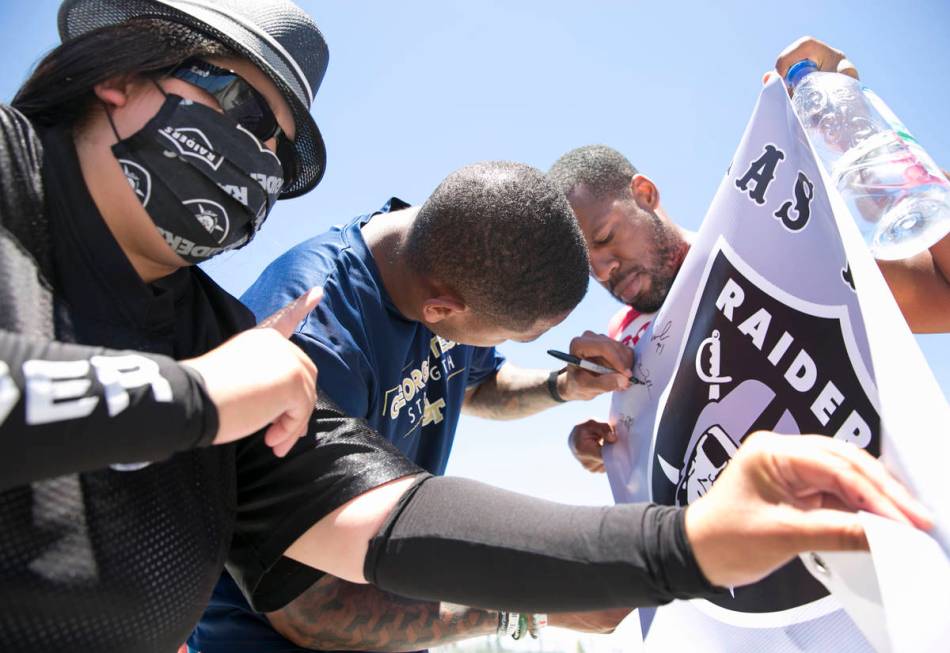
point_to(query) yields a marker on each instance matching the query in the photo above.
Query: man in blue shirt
(415, 298)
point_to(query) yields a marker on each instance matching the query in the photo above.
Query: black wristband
(207, 409)
(552, 386)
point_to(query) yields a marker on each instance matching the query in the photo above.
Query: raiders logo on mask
(139, 180)
(212, 216)
(757, 358)
(191, 142)
(204, 181)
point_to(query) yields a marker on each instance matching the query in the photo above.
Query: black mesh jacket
(115, 519)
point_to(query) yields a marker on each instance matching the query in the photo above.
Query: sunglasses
(243, 103)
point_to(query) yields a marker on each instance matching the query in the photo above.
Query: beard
(652, 300)
(666, 247)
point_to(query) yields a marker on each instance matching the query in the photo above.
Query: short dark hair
(60, 89)
(602, 170)
(503, 237)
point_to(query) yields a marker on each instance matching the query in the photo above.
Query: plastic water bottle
(897, 194)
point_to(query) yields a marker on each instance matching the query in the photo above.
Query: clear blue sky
(416, 89)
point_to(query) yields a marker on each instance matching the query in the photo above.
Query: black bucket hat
(275, 35)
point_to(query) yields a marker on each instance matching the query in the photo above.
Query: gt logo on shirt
(410, 391)
(431, 413)
(60, 390)
(413, 383)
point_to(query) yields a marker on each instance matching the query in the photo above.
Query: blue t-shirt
(407, 382)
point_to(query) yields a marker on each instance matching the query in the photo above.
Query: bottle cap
(798, 70)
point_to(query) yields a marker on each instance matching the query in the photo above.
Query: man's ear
(438, 308)
(645, 192)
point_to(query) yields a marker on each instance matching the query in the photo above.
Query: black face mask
(206, 182)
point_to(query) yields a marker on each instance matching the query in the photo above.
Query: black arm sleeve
(465, 542)
(279, 500)
(68, 408)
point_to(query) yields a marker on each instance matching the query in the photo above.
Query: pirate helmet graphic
(713, 452)
(719, 430)
(138, 178)
(211, 216)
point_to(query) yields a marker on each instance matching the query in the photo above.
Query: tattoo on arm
(511, 394)
(337, 615)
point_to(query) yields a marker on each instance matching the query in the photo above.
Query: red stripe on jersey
(621, 320)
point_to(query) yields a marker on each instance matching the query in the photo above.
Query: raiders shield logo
(211, 216)
(139, 180)
(758, 358)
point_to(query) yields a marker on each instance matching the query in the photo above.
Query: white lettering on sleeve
(55, 391)
(9, 393)
(120, 373)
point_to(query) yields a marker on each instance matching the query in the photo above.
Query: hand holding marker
(586, 364)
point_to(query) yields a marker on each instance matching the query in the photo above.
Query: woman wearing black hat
(161, 133)
(156, 136)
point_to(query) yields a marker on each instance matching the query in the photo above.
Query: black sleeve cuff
(670, 555)
(205, 411)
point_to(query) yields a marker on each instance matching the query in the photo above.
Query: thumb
(285, 320)
(606, 382)
(845, 67)
(768, 75)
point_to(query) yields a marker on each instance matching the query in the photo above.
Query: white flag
(777, 320)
